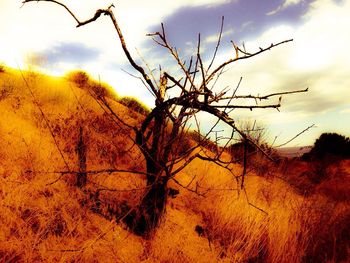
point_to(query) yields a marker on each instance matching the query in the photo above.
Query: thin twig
(300, 133)
(217, 44)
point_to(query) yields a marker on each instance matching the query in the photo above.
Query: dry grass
(42, 221)
(295, 228)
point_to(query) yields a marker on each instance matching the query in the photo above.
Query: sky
(44, 36)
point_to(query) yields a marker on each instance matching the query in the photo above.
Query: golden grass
(42, 221)
(293, 229)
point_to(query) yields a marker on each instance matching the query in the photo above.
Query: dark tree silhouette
(329, 145)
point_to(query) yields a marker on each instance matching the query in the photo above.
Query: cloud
(214, 38)
(30, 30)
(37, 25)
(243, 20)
(285, 5)
(346, 111)
(291, 2)
(315, 59)
(75, 53)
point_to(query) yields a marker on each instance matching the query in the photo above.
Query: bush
(327, 145)
(325, 157)
(96, 89)
(2, 68)
(203, 141)
(237, 149)
(182, 144)
(80, 78)
(6, 91)
(134, 105)
(99, 90)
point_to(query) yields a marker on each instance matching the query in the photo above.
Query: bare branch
(265, 97)
(58, 3)
(102, 171)
(250, 107)
(217, 44)
(296, 136)
(187, 188)
(262, 50)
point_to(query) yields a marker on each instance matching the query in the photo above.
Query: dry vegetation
(46, 218)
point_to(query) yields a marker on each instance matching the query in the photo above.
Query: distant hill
(291, 152)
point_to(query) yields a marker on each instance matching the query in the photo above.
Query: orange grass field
(45, 218)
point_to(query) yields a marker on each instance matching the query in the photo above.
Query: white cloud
(318, 58)
(346, 111)
(214, 38)
(246, 25)
(38, 26)
(283, 6)
(291, 2)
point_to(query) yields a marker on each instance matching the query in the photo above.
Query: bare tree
(160, 134)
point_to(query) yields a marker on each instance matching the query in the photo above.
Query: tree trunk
(148, 215)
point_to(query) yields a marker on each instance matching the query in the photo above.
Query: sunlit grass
(45, 218)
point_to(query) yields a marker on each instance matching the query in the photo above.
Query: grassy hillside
(46, 218)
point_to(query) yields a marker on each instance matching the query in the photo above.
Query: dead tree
(178, 98)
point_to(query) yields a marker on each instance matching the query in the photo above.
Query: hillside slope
(46, 218)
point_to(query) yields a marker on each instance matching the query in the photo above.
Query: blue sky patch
(76, 53)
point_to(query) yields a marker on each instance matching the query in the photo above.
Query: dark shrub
(134, 105)
(95, 88)
(329, 144)
(203, 141)
(325, 156)
(182, 144)
(99, 91)
(237, 149)
(80, 78)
